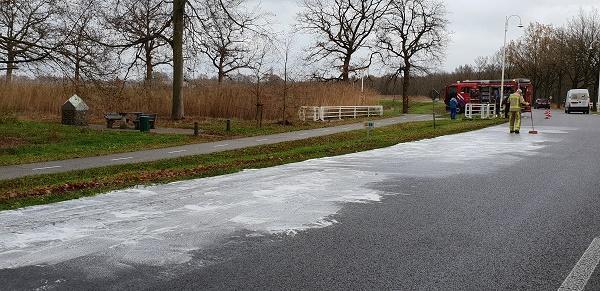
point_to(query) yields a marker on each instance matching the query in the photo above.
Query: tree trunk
(346, 69)
(221, 68)
(559, 93)
(221, 76)
(10, 65)
(177, 112)
(285, 87)
(258, 104)
(77, 77)
(149, 66)
(405, 87)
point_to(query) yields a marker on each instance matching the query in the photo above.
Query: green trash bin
(144, 123)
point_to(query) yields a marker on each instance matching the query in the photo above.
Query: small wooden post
(196, 129)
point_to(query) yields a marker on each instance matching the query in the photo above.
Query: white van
(578, 100)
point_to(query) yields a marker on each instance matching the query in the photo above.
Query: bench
(111, 117)
(151, 116)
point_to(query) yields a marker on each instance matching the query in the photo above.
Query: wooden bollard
(196, 129)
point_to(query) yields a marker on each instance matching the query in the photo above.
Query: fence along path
(322, 113)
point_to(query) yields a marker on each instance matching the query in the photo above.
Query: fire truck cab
(487, 92)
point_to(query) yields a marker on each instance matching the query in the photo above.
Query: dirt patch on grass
(10, 142)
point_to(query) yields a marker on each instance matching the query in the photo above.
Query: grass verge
(51, 188)
(24, 141)
(415, 107)
(246, 128)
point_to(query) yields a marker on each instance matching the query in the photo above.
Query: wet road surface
(475, 211)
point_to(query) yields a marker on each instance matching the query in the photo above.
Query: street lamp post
(504, 54)
(595, 105)
(598, 97)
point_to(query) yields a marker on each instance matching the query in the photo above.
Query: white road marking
(303, 133)
(326, 130)
(221, 145)
(176, 152)
(46, 168)
(264, 139)
(122, 159)
(579, 277)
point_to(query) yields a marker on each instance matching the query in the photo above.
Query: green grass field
(71, 185)
(27, 141)
(394, 106)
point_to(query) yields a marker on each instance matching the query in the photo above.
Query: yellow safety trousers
(515, 120)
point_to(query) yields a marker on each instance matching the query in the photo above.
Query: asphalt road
(11, 172)
(476, 211)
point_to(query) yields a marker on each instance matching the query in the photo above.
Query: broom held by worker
(515, 101)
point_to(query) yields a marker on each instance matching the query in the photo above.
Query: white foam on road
(163, 224)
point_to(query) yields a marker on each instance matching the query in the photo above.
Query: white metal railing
(484, 111)
(322, 113)
(309, 112)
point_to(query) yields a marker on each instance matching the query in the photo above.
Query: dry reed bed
(35, 99)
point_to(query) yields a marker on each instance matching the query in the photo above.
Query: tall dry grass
(36, 99)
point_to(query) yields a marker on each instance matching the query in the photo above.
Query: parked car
(541, 103)
(578, 100)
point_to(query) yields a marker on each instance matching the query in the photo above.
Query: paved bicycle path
(16, 171)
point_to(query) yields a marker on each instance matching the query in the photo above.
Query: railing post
(340, 113)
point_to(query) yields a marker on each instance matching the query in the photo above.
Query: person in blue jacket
(453, 107)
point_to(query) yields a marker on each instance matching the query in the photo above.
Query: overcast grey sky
(477, 26)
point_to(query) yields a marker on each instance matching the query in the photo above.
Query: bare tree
(533, 56)
(177, 110)
(80, 55)
(225, 36)
(412, 36)
(27, 34)
(579, 49)
(287, 50)
(259, 72)
(342, 28)
(141, 25)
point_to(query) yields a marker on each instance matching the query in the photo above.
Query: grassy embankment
(64, 186)
(27, 141)
(23, 141)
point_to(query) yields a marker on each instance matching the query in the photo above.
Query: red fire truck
(487, 91)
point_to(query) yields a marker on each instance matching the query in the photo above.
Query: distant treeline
(556, 59)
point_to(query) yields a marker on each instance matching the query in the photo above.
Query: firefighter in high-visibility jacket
(515, 100)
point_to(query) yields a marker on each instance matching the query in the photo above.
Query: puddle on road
(163, 224)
